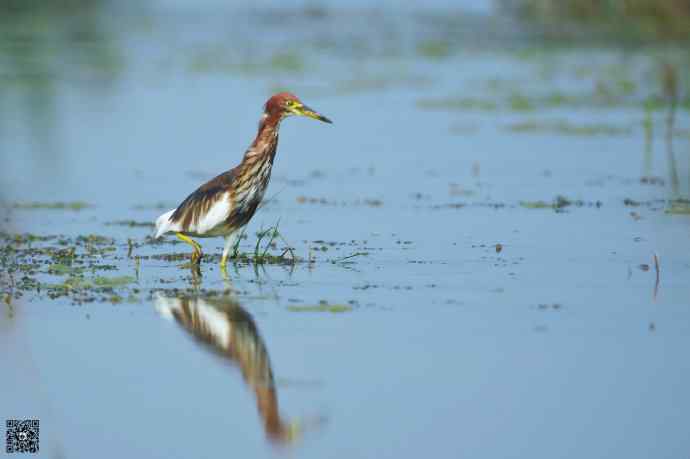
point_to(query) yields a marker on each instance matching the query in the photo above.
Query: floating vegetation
(567, 128)
(24, 238)
(70, 283)
(558, 204)
(458, 103)
(271, 248)
(310, 200)
(630, 19)
(435, 49)
(287, 61)
(131, 224)
(266, 240)
(678, 207)
(520, 102)
(75, 205)
(461, 205)
(61, 269)
(155, 206)
(168, 256)
(368, 202)
(113, 282)
(219, 59)
(379, 83)
(529, 102)
(323, 306)
(94, 239)
(32, 262)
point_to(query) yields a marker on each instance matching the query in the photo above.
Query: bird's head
(286, 104)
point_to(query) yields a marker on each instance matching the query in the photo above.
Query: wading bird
(226, 203)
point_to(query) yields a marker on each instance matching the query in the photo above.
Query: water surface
(404, 330)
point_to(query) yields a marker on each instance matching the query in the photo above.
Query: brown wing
(200, 201)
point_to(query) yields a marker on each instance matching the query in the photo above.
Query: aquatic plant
(663, 19)
(669, 83)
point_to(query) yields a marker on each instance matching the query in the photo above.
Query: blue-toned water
(410, 333)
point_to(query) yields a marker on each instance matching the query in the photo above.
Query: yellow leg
(196, 254)
(224, 270)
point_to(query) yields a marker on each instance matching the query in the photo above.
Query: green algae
(568, 128)
(632, 20)
(25, 238)
(160, 205)
(434, 49)
(605, 95)
(220, 59)
(678, 207)
(113, 282)
(379, 82)
(74, 205)
(28, 259)
(520, 103)
(559, 203)
(94, 239)
(321, 307)
(70, 283)
(458, 103)
(131, 224)
(287, 61)
(60, 269)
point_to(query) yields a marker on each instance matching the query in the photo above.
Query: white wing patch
(213, 219)
(216, 216)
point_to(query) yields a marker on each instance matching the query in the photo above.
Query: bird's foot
(197, 255)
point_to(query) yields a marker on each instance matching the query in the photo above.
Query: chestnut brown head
(287, 104)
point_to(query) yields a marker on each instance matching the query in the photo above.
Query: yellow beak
(306, 111)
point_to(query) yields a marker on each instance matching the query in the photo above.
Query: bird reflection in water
(221, 325)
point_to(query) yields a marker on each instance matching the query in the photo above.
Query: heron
(226, 203)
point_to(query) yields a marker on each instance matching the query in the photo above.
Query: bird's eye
(290, 103)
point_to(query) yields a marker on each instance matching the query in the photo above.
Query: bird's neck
(263, 148)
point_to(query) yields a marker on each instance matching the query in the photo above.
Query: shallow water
(404, 330)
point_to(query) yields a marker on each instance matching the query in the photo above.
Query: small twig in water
(656, 268)
(274, 235)
(356, 254)
(288, 248)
